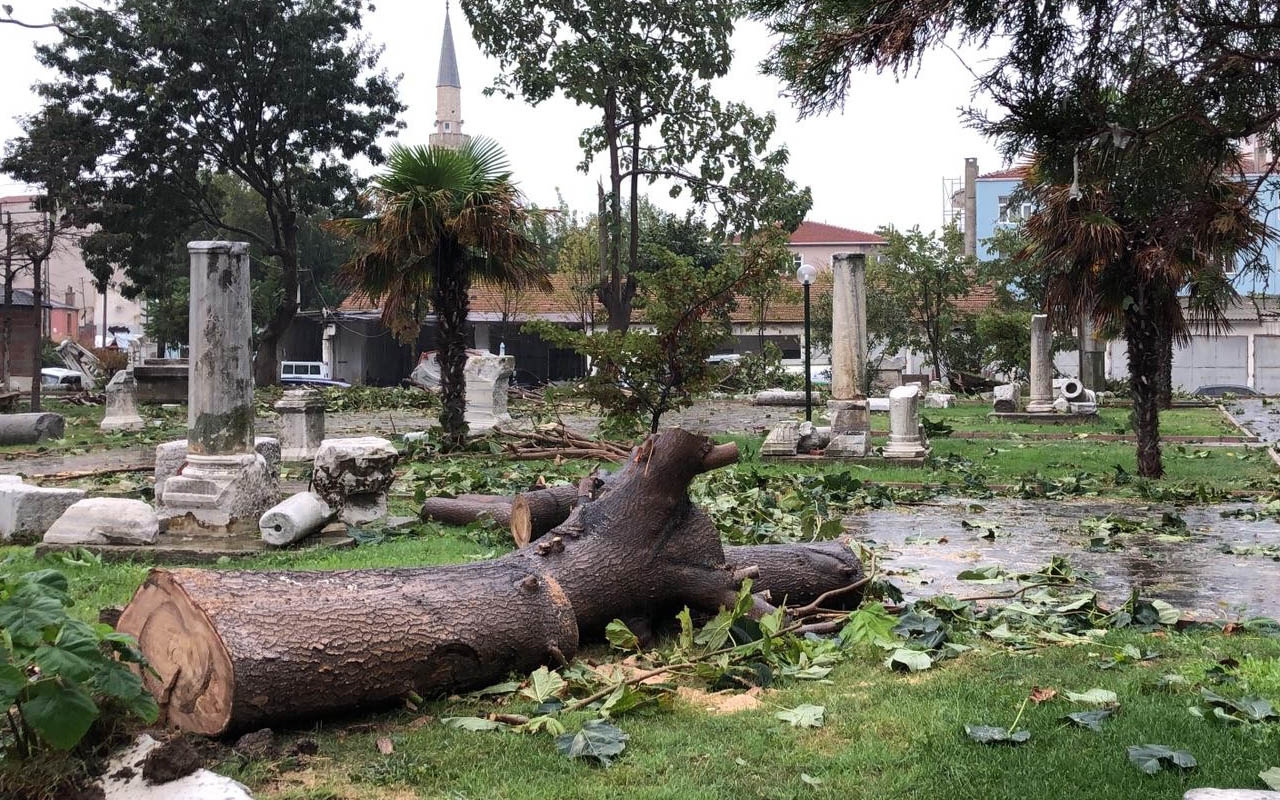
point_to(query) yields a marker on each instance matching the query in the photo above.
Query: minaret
(448, 94)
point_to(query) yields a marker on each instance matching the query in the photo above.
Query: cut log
(237, 650)
(537, 512)
(467, 508)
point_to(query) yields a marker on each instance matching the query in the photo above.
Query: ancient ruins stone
(779, 397)
(301, 424)
(905, 440)
(849, 445)
(880, 404)
(848, 329)
(1061, 405)
(353, 476)
(848, 416)
(294, 519)
(171, 455)
(26, 512)
(224, 485)
(487, 378)
(1041, 400)
(105, 520)
(939, 400)
(783, 440)
(1007, 398)
(30, 428)
(122, 404)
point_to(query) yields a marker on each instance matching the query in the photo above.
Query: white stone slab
(26, 511)
(105, 520)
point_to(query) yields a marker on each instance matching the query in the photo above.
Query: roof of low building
(24, 297)
(1017, 172)
(822, 233)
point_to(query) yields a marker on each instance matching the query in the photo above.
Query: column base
(1038, 405)
(849, 416)
(906, 449)
(217, 495)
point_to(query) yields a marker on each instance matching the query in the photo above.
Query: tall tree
(279, 93)
(646, 69)
(442, 218)
(924, 275)
(1135, 111)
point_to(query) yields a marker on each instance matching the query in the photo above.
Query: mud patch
(173, 759)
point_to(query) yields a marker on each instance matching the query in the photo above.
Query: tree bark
(467, 508)
(451, 301)
(237, 650)
(232, 649)
(1166, 367)
(1145, 344)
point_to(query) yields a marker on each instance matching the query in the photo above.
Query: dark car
(1223, 389)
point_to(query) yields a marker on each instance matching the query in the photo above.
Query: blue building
(1248, 354)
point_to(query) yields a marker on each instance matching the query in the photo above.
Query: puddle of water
(1193, 573)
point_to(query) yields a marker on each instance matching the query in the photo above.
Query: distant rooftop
(24, 297)
(822, 233)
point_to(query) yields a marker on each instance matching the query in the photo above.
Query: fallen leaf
(385, 746)
(1041, 694)
(990, 734)
(1097, 697)
(804, 715)
(1151, 758)
(1090, 719)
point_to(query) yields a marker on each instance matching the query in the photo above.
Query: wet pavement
(1258, 415)
(924, 547)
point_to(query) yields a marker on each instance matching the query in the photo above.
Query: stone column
(1041, 400)
(301, 424)
(224, 485)
(905, 440)
(847, 408)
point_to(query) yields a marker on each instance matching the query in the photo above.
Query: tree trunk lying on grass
(237, 649)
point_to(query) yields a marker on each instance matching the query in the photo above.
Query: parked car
(309, 382)
(58, 379)
(1223, 389)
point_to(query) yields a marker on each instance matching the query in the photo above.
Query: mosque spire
(448, 93)
(448, 75)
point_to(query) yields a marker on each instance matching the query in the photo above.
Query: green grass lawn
(1006, 461)
(886, 734)
(970, 416)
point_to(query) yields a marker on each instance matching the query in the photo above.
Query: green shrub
(59, 674)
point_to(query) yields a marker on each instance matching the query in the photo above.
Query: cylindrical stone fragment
(30, 428)
(848, 326)
(1041, 399)
(220, 391)
(294, 519)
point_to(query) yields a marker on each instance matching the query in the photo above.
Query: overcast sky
(880, 162)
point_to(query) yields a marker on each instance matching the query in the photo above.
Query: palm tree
(441, 219)
(1134, 275)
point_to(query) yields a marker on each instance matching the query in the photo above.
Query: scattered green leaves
(1151, 758)
(597, 740)
(803, 716)
(990, 734)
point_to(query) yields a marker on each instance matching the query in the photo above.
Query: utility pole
(8, 298)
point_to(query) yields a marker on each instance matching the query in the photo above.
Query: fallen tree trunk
(232, 650)
(797, 574)
(467, 508)
(236, 650)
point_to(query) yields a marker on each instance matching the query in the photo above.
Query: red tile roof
(1019, 172)
(822, 233)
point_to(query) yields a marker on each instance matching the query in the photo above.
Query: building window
(797, 260)
(1012, 212)
(446, 126)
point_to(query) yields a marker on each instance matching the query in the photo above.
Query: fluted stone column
(1041, 400)
(905, 439)
(847, 408)
(224, 485)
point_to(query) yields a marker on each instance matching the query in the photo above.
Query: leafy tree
(646, 68)
(640, 375)
(442, 218)
(1134, 111)
(923, 275)
(578, 261)
(168, 93)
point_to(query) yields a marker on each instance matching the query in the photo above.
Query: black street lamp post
(805, 273)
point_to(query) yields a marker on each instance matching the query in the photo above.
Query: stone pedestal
(301, 424)
(170, 457)
(487, 378)
(905, 440)
(122, 404)
(1041, 400)
(223, 486)
(849, 416)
